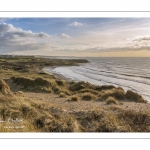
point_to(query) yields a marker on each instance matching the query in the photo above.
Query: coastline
(56, 75)
(50, 102)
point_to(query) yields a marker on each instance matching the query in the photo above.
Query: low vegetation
(135, 97)
(74, 98)
(88, 96)
(111, 100)
(21, 75)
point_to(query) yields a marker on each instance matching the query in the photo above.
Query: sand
(63, 103)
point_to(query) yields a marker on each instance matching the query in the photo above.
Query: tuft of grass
(104, 87)
(62, 95)
(66, 91)
(65, 123)
(5, 89)
(60, 82)
(76, 86)
(135, 97)
(111, 100)
(117, 93)
(74, 98)
(89, 91)
(88, 96)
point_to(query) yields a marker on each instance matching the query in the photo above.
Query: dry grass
(76, 86)
(110, 120)
(41, 116)
(88, 96)
(135, 97)
(117, 93)
(74, 98)
(62, 95)
(111, 100)
(89, 91)
(104, 87)
(4, 88)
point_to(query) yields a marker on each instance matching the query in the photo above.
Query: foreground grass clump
(88, 96)
(135, 97)
(111, 100)
(65, 123)
(4, 88)
(106, 120)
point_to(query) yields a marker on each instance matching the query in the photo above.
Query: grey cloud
(6, 28)
(9, 31)
(142, 39)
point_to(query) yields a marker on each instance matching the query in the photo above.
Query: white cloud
(9, 31)
(12, 39)
(63, 35)
(76, 24)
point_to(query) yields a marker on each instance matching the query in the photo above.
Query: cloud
(63, 35)
(142, 39)
(76, 24)
(9, 31)
(13, 39)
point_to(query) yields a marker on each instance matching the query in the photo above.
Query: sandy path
(83, 105)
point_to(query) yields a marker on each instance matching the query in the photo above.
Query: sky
(81, 37)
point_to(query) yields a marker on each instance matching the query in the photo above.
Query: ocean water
(129, 73)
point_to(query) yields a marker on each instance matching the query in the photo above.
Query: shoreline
(62, 77)
(56, 75)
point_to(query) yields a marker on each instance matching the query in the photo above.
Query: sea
(128, 73)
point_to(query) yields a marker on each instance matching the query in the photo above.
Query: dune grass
(117, 93)
(111, 100)
(37, 117)
(74, 98)
(88, 96)
(135, 97)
